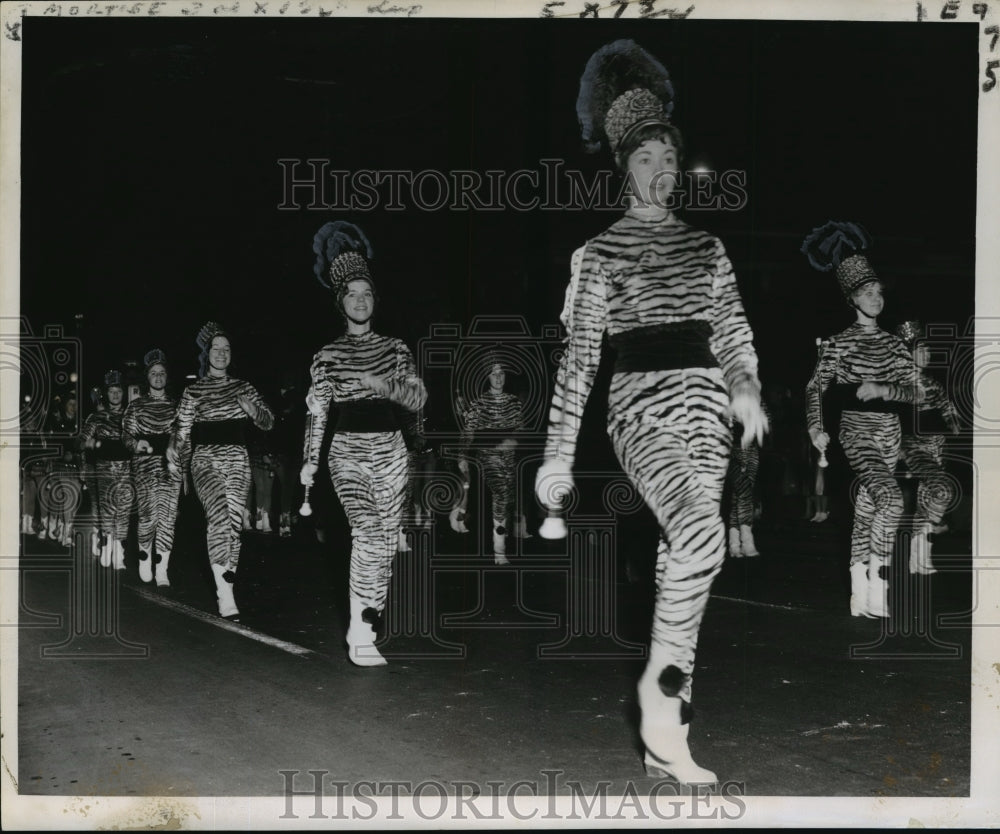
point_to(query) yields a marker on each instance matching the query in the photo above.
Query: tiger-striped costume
(666, 295)
(111, 476)
(151, 418)
(493, 419)
(869, 432)
(207, 432)
(367, 459)
(742, 478)
(922, 453)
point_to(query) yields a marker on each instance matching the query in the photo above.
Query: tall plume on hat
(839, 245)
(622, 88)
(342, 255)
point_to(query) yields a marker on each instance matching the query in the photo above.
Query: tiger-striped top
(640, 274)
(334, 373)
(147, 415)
(102, 426)
(492, 414)
(210, 399)
(862, 353)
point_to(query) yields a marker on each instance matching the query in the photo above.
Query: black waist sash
(157, 441)
(220, 432)
(842, 396)
(111, 448)
(494, 436)
(366, 417)
(664, 347)
(923, 423)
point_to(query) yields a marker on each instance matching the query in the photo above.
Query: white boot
(146, 565)
(735, 547)
(161, 571)
(95, 544)
(664, 735)
(26, 527)
(43, 532)
(361, 638)
(265, 522)
(456, 519)
(521, 528)
(920, 554)
(499, 545)
(402, 543)
(746, 541)
(106, 551)
(67, 538)
(224, 592)
(859, 590)
(118, 554)
(878, 589)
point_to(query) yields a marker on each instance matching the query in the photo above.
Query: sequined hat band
(854, 272)
(347, 267)
(632, 110)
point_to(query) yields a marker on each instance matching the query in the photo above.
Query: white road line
(219, 622)
(761, 604)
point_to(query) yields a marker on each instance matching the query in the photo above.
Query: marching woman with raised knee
(210, 437)
(864, 373)
(365, 376)
(922, 447)
(146, 429)
(666, 295)
(101, 440)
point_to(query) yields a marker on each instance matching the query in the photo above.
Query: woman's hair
(633, 140)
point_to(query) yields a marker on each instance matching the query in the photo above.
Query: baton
(822, 455)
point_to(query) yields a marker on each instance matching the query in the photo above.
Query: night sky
(151, 181)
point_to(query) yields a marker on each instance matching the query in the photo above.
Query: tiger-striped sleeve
(906, 384)
(823, 375)
(936, 397)
(732, 339)
(264, 419)
(405, 387)
(180, 439)
(318, 404)
(130, 428)
(586, 323)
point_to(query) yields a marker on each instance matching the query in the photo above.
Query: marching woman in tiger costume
(210, 437)
(922, 446)
(666, 296)
(364, 375)
(101, 440)
(146, 429)
(864, 373)
(494, 419)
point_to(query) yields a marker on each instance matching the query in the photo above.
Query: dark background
(151, 184)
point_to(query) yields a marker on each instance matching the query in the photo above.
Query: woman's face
(652, 170)
(70, 408)
(359, 301)
(497, 378)
(115, 394)
(868, 299)
(921, 356)
(157, 377)
(219, 354)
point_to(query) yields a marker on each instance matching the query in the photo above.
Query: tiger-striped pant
(369, 473)
(157, 494)
(498, 471)
(742, 477)
(221, 476)
(678, 464)
(872, 449)
(935, 492)
(115, 494)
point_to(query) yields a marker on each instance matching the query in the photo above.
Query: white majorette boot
(106, 549)
(43, 528)
(361, 637)
(67, 539)
(161, 570)
(499, 544)
(746, 541)
(265, 521)
(735, 547)
(224, 579)
(26, 525)
(878, 588)
(920, 553)
(402, 542)
(146, 565)
(95, 544)
(661, 727)
(118, 554)
(521, 528)
(859, 590)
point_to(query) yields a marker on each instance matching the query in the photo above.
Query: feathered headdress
(838, 246)
(112, 378)
(622, 89)
(154, 357)
(910, 331)
(342, 255)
